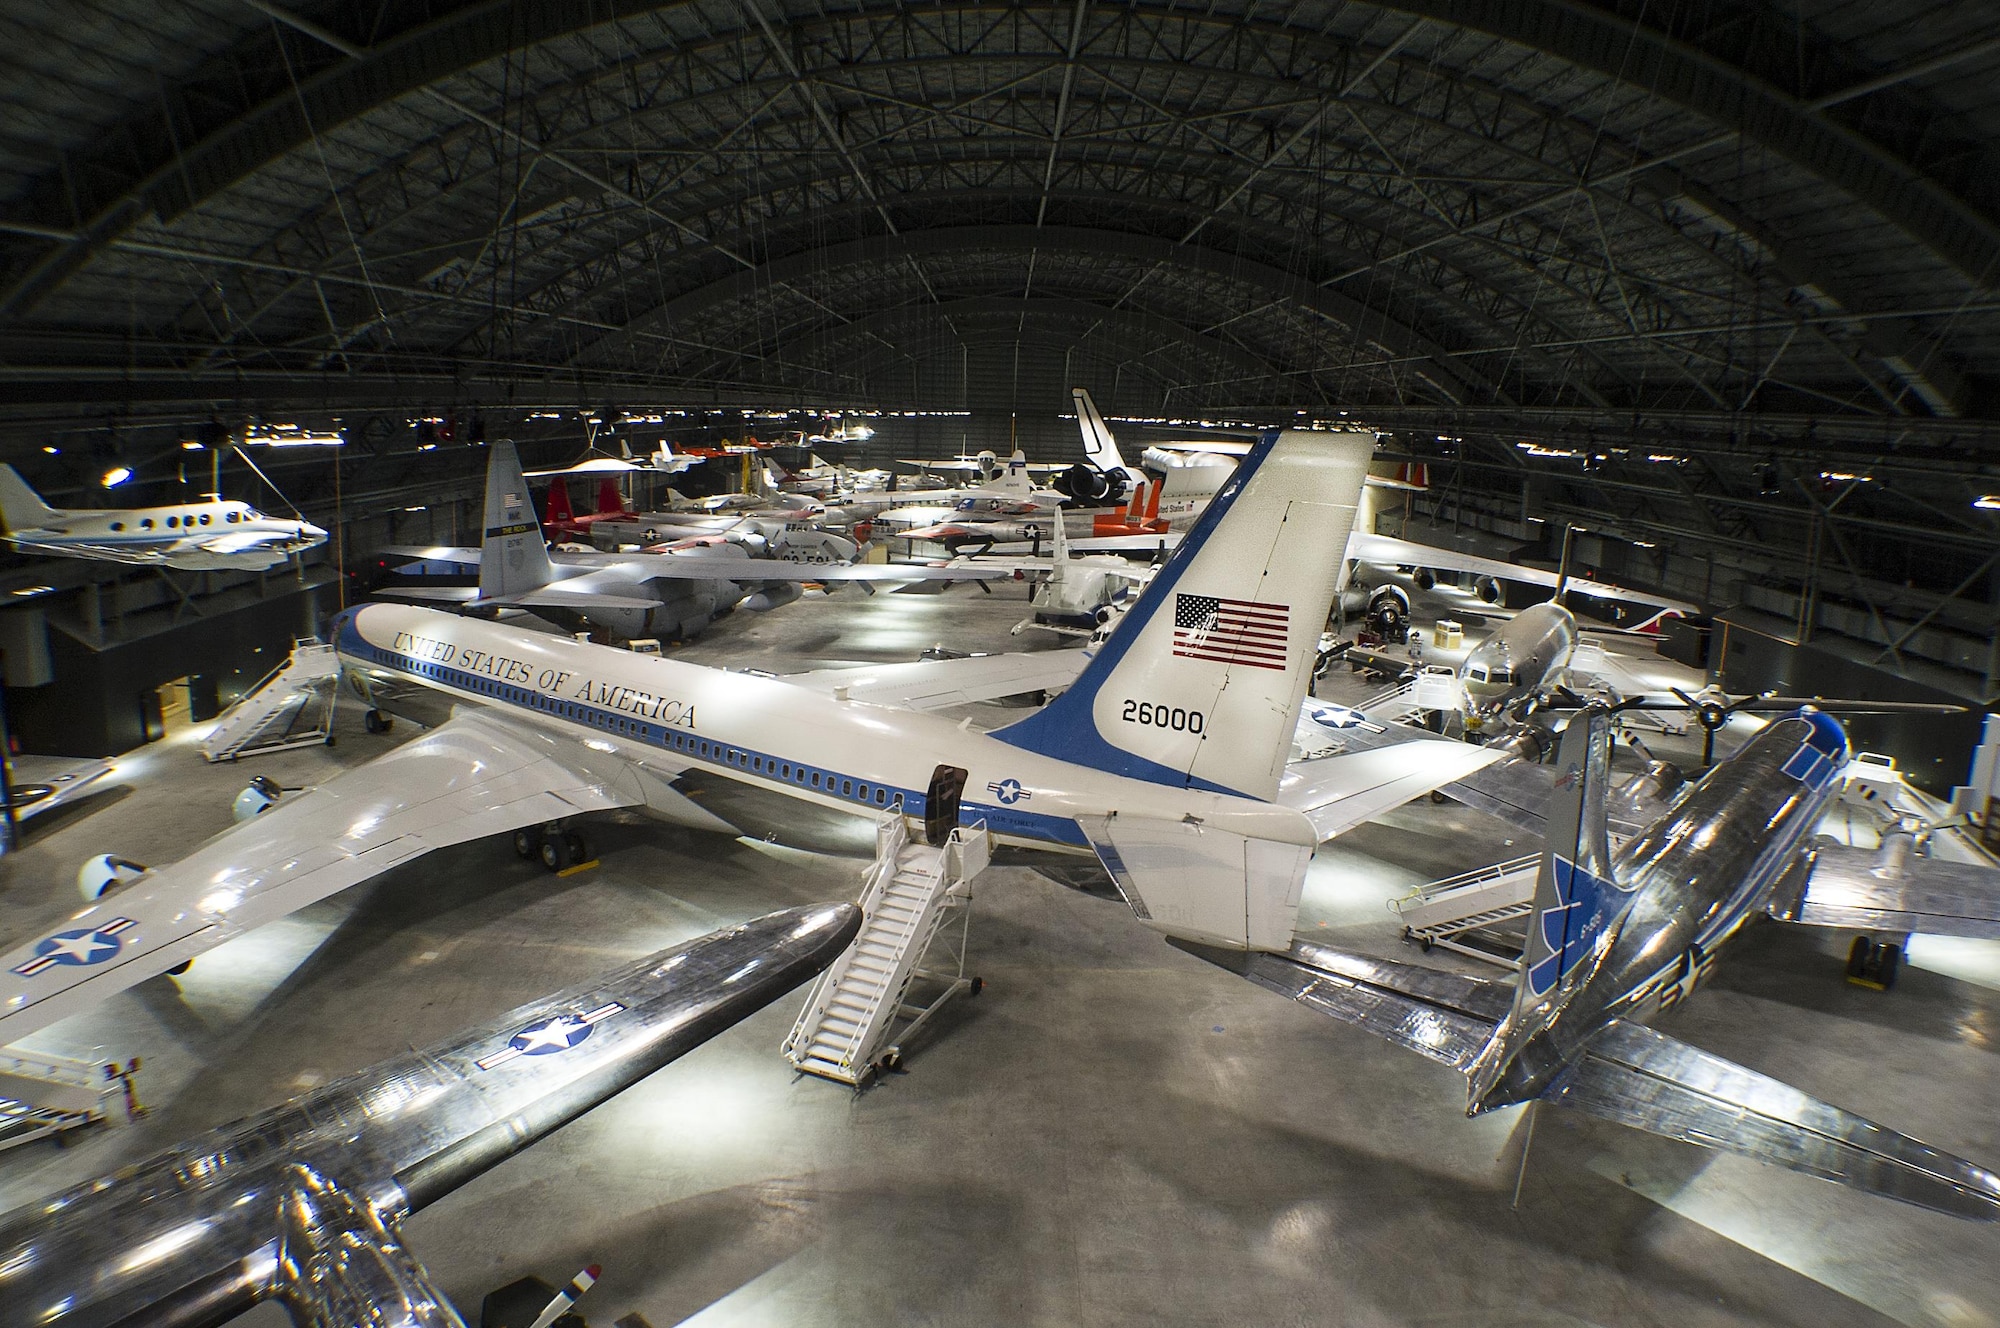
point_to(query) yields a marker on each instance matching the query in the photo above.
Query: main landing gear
(1873, 964)
(558, 848)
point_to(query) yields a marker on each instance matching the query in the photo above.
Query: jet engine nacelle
(1487, 588)
(1425, 578)
(104, 873)
(257, 798)
(1093, 487)
(772, 596)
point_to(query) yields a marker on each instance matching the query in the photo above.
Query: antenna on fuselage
(1562, 567)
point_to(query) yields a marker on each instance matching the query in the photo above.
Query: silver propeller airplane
(207, 536)
(1165, 759)
(303, 1204)
(1619, 935)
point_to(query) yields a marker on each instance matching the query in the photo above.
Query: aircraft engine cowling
(104, 873)
(1526, 742)
(1093, 487)
(1643, 795)
(257, 798)
(772, 596)
(1488, 589)
(1388, 610)
(1425, 578)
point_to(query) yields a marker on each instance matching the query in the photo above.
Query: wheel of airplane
(555, 853)
(1888, 959)
(377, 722)
(1857, 957)
(528, 842)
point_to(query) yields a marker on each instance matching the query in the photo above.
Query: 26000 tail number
(1154, 715)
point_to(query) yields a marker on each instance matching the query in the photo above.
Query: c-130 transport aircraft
(1163, 759)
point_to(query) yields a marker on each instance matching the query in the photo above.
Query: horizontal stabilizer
(556, 598)
(1339, 792)
(1445, 1016)
(1929, 895)
(1201, 883)
(1635, 1076)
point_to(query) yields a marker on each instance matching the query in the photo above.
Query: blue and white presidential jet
(207, 536)
(1620, 933)
(1165, 759)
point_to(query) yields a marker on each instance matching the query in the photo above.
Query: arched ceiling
(1562, 209)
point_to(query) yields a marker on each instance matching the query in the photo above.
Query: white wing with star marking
(474, 776)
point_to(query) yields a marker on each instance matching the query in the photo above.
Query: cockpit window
(1477, 673)
(1501, 676)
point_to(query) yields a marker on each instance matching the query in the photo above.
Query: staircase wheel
(978, 985)
(1426, 944)
(528, 842)
(891, 1062)
(1858, 956)
(555, 853)
(377, 722)
(1888, 958)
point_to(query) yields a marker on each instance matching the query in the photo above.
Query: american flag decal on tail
(1231, 631)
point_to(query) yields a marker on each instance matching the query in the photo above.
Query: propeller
(567, 1297)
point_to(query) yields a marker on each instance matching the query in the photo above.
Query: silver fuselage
(1518, 659)
(302, 1202)
(1689, 882)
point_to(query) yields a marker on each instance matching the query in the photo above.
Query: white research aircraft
(1166, 758)
(207, 536)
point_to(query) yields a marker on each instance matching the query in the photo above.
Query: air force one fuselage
(765, 732)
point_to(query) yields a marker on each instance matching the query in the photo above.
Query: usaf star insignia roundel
(546, 1037)
(85, 945)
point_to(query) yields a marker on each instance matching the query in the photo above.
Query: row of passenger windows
(769, 766)
(177, 522)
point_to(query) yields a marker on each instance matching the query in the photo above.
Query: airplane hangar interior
(756, 662)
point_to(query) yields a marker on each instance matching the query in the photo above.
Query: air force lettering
(546, 1037)
(85, 945)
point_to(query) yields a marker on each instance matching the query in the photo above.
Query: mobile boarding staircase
(291, 707)
(43, 1096)
(1474, 912)
(916, 906)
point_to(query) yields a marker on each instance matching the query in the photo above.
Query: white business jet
(1163, 759)
(207, 536)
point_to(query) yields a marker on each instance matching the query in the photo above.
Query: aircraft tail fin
(1200, 685)
(1099, 447)
(21, 508)
(609, 501)
(513, 558)
(1577, 898)
(557, 511)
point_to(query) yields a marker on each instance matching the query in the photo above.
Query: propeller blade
(567, 1297)
(1683, 696)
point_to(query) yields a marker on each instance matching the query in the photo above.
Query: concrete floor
(1113, 1133)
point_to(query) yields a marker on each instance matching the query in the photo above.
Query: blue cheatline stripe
(1066, 728)
(749, 762)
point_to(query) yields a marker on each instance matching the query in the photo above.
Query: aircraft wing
(1642, 1078)
(1127, 544)
(42, 783)
(235, 541)
(1927, 895)
(1629, 1074)
(473, 776)
(1384, 549)
(933, 684)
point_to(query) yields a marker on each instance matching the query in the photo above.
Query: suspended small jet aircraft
(1166, 758)
(632, 595)
(304, 1203)
(1618, 936)
(199, 537)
